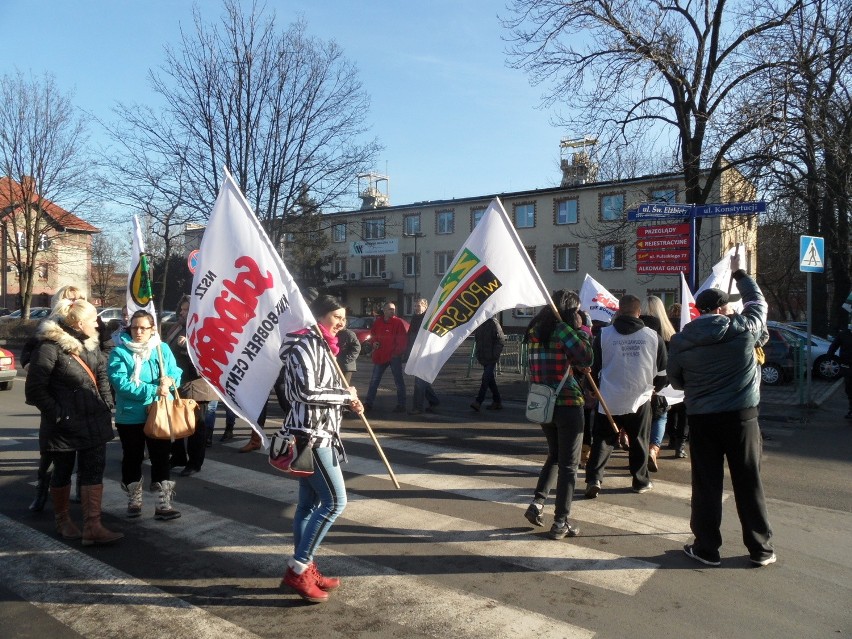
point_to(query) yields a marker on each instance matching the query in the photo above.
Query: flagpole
(362, 416)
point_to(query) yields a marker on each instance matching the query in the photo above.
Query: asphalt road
(449, 554)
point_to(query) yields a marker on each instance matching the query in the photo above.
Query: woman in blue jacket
(134, 372)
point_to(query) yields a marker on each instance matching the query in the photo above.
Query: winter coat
(713, 359)
(313, 387)
(350, 348)
(132, 399)
(389, 339)
(630, 360)
(843, 342)
(76, 413)
(411, 337)
(490, 340)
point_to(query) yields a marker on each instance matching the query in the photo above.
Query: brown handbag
(170, 418)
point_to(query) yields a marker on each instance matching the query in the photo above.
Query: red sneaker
(324, 583)
(304, 585)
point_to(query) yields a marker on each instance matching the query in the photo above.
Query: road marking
(408, 600)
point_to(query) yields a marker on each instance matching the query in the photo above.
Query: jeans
(379, 370)
(489, 381)
(90, 466)
(133, 441)
(564, 443)
(638, 427)
(423, 391)
(734, 436)
(658, 429)
(322, 497)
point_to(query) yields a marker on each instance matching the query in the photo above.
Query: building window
(373, 266)
(443, 259)
(664, 195)
(338, 266)
(612, 256)
(525, 313)
(565, 212)
(612, 206)
(531, 252)
(338, 232)
(408, 303)
(411, 224)
(409, 265)
(668, 296)
(566, 258)
(374, 229)
(476, 215)
(42, 271)
(22, 240)
(524, 216)
(445, 222)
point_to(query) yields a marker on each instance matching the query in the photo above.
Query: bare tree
(108, 256)
(661, 74)
(43, 160)
(283, 111)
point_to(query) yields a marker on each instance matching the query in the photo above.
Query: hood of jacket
(627, 324)
(68, 339)
(706, 330)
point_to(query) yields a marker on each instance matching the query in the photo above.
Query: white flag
(491, 273)
(139, 295)
(688, 312)
(721, 277)
(599, 302)
(243, 300)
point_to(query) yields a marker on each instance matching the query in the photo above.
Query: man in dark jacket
(843, 341)
(423, 391)
(490, 340)
(630, 362)
(713, 361)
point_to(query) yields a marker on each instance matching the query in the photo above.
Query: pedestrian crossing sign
(811, 254)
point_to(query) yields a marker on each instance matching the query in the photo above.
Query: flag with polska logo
(490, 273)
(243, 300)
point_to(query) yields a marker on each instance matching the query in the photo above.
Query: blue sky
(455, 121)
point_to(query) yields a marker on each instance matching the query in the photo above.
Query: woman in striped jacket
(317, 394)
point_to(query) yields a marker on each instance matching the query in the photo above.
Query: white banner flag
(721, 276)
(139, 295)
(599, 302)
(243, 300)
(688, 312)
(491, 273)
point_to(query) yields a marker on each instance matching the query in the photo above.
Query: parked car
(167, 316)
(8, 373)
(822, 364)
(36, 312)
(362, 327)
(779, 365)
(111, 313)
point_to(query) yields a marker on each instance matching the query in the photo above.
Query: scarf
(141, 353)
(330, 339)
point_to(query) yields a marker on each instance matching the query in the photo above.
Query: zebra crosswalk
(447, 556)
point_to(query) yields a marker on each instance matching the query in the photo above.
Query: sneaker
(592, 489)
(562, 529)
(764, 561)
(495, 406)
(227, 436)
(304, 585)
(533, 514)
(690, 551)
(475, 406)
(681, 453)
(643, 489)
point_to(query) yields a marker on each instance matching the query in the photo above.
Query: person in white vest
(630, 364)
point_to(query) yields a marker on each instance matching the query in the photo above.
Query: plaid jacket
(548, 361)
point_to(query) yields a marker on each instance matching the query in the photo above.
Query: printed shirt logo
(465, 287)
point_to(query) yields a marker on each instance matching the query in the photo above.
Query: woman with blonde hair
(67, 382)
(655, 317)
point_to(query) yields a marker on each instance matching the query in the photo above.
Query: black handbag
(303, 464)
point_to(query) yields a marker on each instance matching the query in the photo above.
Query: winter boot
(61, 498)
(652, 458)
(94, 532)
(134, 498)
(325, 583)
(253, 444)
(164, 510)
(303, 584)
(43, 486)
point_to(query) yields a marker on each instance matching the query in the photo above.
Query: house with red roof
(63, 249)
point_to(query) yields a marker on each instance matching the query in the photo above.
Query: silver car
(823, 365)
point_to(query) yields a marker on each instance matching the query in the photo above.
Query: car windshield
(359, 322)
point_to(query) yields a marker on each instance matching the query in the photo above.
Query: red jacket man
(389, 344)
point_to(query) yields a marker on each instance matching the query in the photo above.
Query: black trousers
(192, 450)
(133, 442)
(564, 437)
(604, 439)
(677, 424)
(90, 466)
(734, 436)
